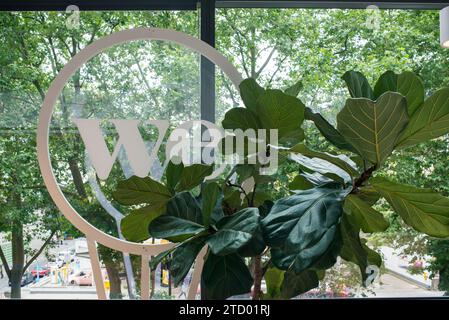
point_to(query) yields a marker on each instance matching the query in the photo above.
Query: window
(279, 44)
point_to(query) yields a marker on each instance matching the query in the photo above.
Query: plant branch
(267, 60)
(5, 263)
(277, 70)
(363, 178)
(242, 190)
(39, 251)
(229, 88)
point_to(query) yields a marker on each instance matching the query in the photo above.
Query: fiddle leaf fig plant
(291, 241)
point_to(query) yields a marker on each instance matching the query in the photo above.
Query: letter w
(129, 138)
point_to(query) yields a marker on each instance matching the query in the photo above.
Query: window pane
(143, 80)
(316, 46)
(279, 47)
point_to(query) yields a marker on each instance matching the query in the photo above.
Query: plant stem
(363, 177)
(242, 190)
(257, 277)
(258, 272)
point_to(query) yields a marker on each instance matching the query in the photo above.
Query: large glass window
(156, 80)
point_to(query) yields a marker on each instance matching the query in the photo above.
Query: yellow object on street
(165, 277)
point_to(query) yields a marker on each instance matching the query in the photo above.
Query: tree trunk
(114, 280)
(18, 260)
(77, 177)
(152, 283)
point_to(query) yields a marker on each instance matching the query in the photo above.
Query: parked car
(85, 278)
(81, 278)
(27, 278)
(43, 271)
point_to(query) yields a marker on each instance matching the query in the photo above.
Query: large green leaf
(137, 190)
(232, 198)
(240, 118)
(368, 194)
(183, 205)
(328, 131)
(374, 258)
(156, 260)
(293, 137)
(259, 198)
(342, 161)
(388, 81)
(300, 183)
(315, 178)
(193, 175)
(183, 257)
(225, 276)
(354, 250)
(358, 85)
(323, 167)
(173, 228)
(367, 218)
(217, 213)
(430, 121)
(209, 197)
(294, 89)
(407, 83)
(265, 208)
(183, 219)
(296, 284)
(255, 246)
(134, 226)
(250, 92)
(173, 174)
(329, 257)
(287, 258)
(234, 231)
(245, 171)
(264, 179)
(423, 209)
(273, 279)
(373, 127)
(302, 227)
(277, 110)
